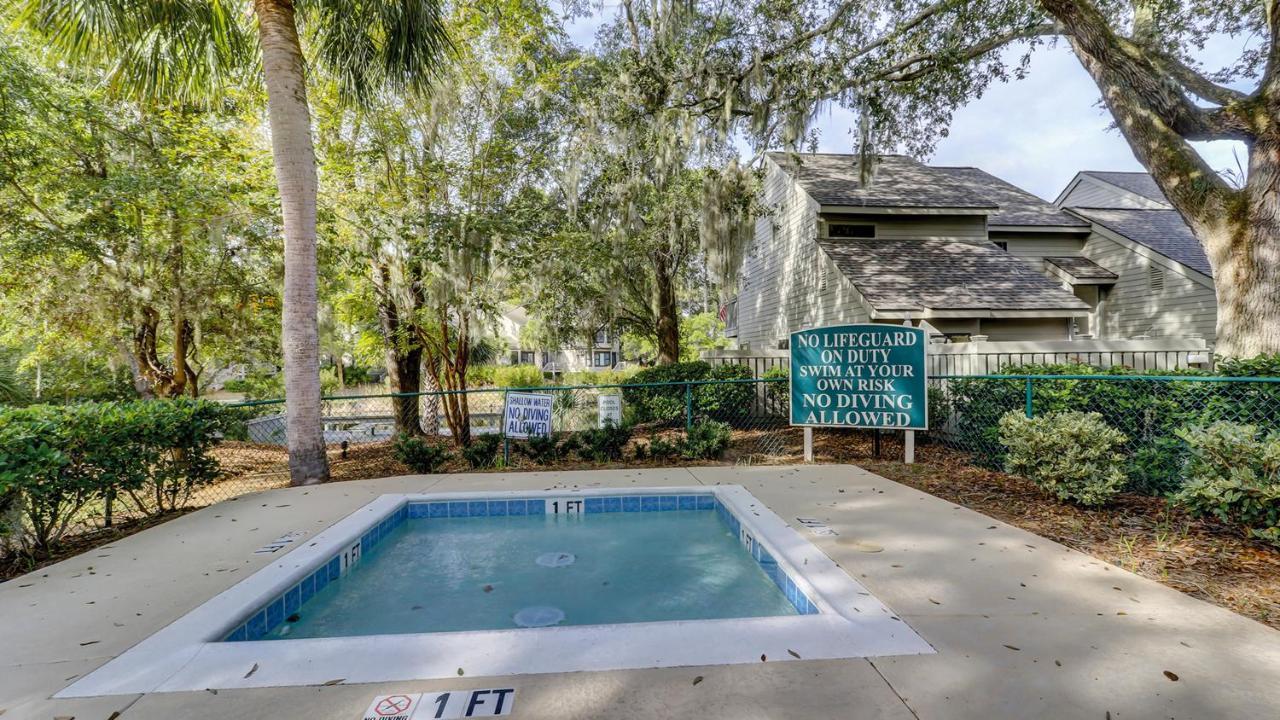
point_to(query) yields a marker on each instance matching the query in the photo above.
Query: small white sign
(817, 527)
(609, 408)
(393, 707)
(564, 506)
(281, 542)
(527, 415)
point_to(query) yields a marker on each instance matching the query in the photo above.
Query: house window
(851, 230)
(603, 359)
(602, 337)
(1001, 244)
(1155, 280)
(526, 357)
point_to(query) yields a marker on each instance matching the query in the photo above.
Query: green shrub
(481, 375)
(56, 461)
(483, 451)
(939, 409)
(604, 444)
(666, 403)
(541, 450)
(661, 449)
(1233, 474)
(779, 392)
(1073, 455)
(729, 400)
(517, 376)
(707, 440)
(419, 454)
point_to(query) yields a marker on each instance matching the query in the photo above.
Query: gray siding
(787, 283)
(965, 228)
(1186, 306)
(1089, 193)
(1026, 328)
(1034, 247)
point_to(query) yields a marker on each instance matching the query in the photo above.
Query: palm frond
(370, 44)
(187, 50)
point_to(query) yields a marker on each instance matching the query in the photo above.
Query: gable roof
(1138, 183)
(1016, 206)
(936, 274)
(1081, 268)
(898, 182)
(1164, 231)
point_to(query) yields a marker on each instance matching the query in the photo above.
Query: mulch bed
(1144, 535)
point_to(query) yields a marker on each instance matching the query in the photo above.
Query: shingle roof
(1082, 268)
(1017, 206)
(1138, 183)
(897, 182)
(1161, 230)
(944, 275)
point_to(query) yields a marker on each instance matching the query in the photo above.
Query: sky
(1036, 133)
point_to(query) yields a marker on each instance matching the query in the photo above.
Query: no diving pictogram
(393, 705)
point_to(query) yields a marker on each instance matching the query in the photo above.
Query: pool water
(480, 573)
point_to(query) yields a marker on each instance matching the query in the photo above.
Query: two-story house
(959, 251)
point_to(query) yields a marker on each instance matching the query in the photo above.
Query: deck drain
(539, 616)
(556, 559)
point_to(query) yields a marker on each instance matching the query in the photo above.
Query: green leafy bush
(779, 391)
(56, 461)
(517, 376)
(604, 444)
(483, 451)
(1233, 474)
(707, 440)
(728, 400)
(541, 450)
(419, 454)
(1073, 455)
(661, 449)
(481, 375)
(665, 403)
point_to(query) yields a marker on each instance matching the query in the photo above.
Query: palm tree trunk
(295, 162)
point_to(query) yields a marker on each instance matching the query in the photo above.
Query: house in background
(603, 353)
(964, 254)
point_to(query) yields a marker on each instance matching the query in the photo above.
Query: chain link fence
(1149, 410)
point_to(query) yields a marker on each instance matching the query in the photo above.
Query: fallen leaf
(487, 588)
(1014, 648)
(459, 672)
(697, 680)
(211, 691)
(793, 653)
(252, 670)
(1058, 663)
(114, 715)
(90, 642)
(1171, 676)
(762, 657)
(935, 602)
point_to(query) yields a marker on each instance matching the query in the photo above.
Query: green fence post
(688, 407)
(1030, 409)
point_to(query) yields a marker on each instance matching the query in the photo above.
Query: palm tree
(189, 50)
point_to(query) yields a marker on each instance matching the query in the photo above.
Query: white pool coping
(188, 654)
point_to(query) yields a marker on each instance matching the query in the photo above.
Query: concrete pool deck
(1023, 627)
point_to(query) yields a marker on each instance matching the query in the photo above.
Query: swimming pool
(501, 583)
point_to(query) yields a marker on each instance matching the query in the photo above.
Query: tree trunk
(295, 164)
(1244, 250)
(405, 371)
(667, 311)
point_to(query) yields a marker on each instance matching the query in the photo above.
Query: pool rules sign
(859, 376)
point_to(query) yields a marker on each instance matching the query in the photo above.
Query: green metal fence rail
(1150, 410)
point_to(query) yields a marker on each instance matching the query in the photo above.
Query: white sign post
(527, 415)
(609, 408)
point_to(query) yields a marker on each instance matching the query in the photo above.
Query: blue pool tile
(320, 578)
(537, 507)
(517, 507)
(275, 614)
(335, 568)
(438, 510)
(457, 509)
(613, 504)
(650, 503)
(667, 502)
(631, 503)
(292, 600)
(477, 508)
(706, 502)
(594, 505)
(238, 634)
(256, 627)
(306, 589)
(418, 510)
(366, 540)
(687, 502)
(497, 508)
